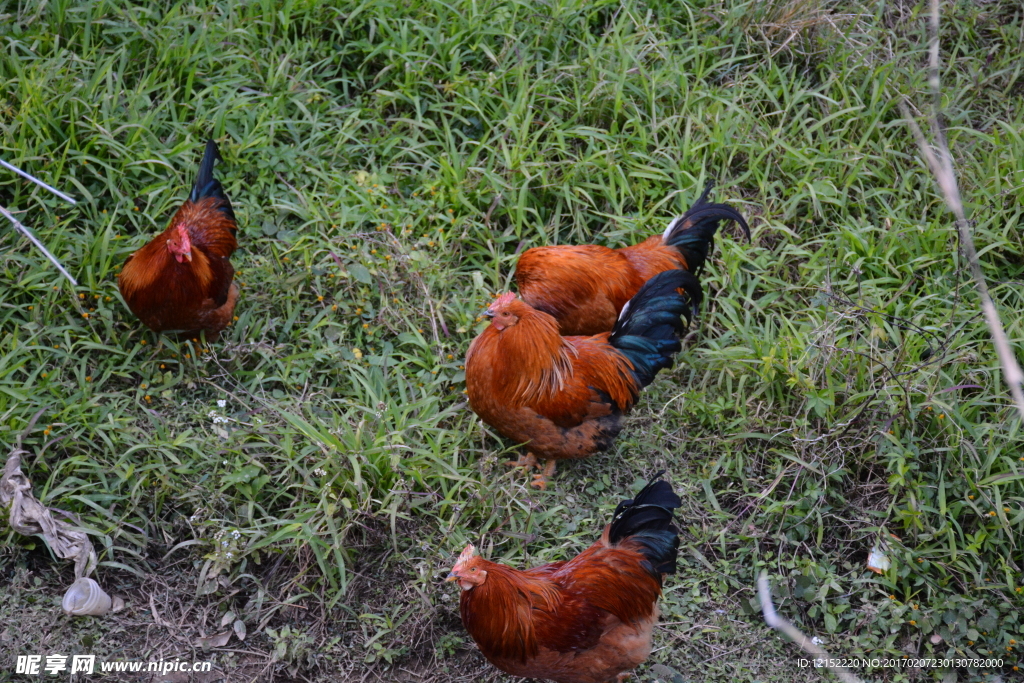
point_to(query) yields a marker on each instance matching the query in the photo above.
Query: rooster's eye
(473, 569)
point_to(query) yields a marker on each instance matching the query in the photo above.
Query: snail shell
(86, 597)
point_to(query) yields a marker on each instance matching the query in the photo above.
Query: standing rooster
(565, 396)
(585, 287)
(587, 620)
(182, 280)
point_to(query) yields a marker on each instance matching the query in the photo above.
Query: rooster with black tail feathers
(565, 396)
(588, 620)
(182, 279)
(584, 287)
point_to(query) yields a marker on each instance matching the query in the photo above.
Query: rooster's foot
(540, 481)
(529, 461)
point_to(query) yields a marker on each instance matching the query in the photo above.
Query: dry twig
(764, 593)
(941, 163)
(25, 231)
(37, 181)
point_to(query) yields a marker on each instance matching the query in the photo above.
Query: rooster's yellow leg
(529, 461)
(540, 481)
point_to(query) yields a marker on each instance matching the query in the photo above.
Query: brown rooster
(585, 287)
(182, 279)
(587, 620)
(565, 396)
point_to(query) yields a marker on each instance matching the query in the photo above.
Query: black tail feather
(650, 324)
(647, 520)
(693, 233)
(208, 186)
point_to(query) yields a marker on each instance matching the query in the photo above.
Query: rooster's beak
(488, 314)
(452, 576)
(188, 256)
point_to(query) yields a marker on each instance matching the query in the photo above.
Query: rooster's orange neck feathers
(499, 612)
(533, 349)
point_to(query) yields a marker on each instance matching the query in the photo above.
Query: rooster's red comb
(504, 300)
(467, 554)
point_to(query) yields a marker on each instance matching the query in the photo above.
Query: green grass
(387, 161)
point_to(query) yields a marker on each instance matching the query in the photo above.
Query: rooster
(182, 279)
(585, 287)
(587, 620)
(565, 396)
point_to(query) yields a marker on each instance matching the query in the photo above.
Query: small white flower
(816, 640)
(213, 414)
(224, 543)
(236, 534)
(229, 555)
(225, 463)
(221, 403)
